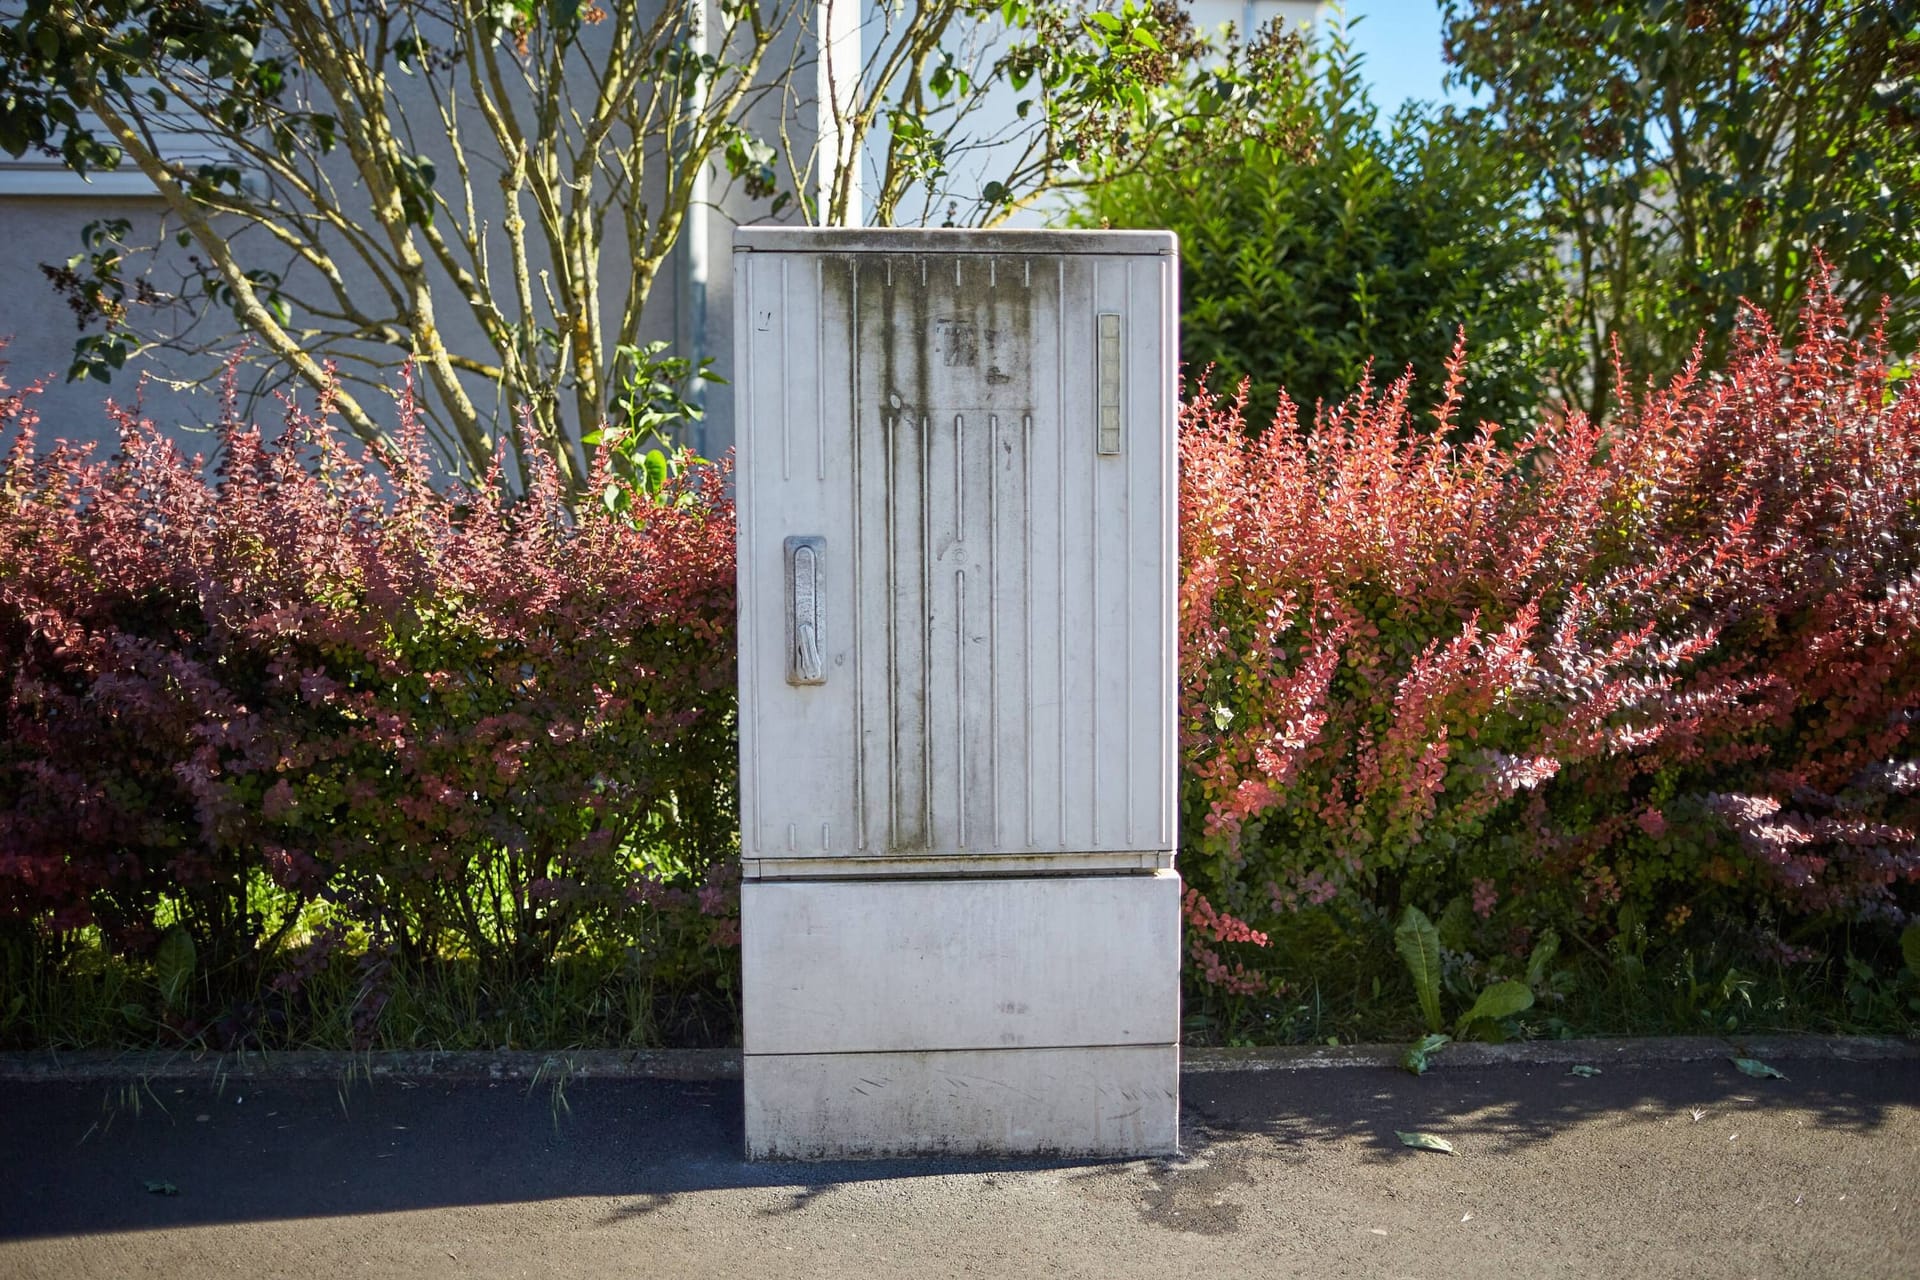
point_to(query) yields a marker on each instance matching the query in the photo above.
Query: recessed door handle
(806, 610)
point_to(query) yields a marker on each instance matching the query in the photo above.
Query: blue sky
(1401, 41)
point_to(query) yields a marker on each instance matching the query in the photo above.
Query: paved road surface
(1657, 1170)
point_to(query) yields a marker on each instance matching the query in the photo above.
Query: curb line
(1625, 1052)
(309, 1064)
(41, 1067)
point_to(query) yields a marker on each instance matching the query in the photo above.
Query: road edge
(89, 1066)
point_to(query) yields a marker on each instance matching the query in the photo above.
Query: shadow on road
(78, 1159)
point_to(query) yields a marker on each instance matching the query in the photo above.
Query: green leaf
(1501, 1000)
(1424, 1142)
(1541, 960)
(156, 1186)
(173, 966)
(1419, 945)
(1455, 923)
(1419, 1055)
(1630, 939)
(1910, 948)
(1757, 1069)
(1583, 1070)
(654, 465)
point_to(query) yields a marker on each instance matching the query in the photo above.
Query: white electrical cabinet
(955, 486)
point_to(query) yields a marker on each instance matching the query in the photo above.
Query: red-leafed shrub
(462, 722)
(1660, 668)
(1667, 664)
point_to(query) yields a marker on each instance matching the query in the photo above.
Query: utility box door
(956, 558)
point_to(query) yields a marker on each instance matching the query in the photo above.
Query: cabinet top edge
(951, 240)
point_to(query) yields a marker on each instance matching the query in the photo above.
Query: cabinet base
(992, 1016)
(1112, 1101)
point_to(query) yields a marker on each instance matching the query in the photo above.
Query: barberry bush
(1605, 678)
(304, 683)
(302, 721)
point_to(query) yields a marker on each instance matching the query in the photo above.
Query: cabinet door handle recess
(806, 610)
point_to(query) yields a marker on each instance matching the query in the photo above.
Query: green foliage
(95, 290)
(1688, 156)
(668, 984)
(1419, 945)
(1540, 962)
(653, 404)
(1360, 244)
(1096, 91)
(1419, 1055)
(1499, 1001)
(173, 966)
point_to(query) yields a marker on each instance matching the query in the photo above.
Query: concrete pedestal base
(1007, 1016)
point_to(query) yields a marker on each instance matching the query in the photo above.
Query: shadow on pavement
(1509, 1107)
(78, 1159)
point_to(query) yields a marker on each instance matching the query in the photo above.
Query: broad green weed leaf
(1419, 945)
(1541, 961)
(173, 966)
(1455, 923)
(1501, 1000)
(1583, 1070)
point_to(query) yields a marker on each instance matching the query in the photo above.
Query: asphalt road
(1669, 1169)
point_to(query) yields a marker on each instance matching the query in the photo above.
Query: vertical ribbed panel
(998, 593)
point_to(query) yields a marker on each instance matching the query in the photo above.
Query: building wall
(39, 329)
(43, 208)
(1251, 15)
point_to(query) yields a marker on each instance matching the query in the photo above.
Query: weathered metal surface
(997, 682)
(976, 683)
(947, 240)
